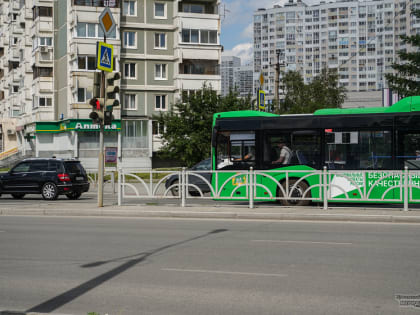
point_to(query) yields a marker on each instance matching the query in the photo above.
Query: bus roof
(406, 105)
(242, 113)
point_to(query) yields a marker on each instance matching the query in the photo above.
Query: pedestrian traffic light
(97, 114)
(112, 89)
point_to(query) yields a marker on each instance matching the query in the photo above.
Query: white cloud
(243, 51)
(248, 32)
(240, 11)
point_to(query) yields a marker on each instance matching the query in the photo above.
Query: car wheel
(74, 195)
(49, 191)
(297, 192)
(175, 188)
(18, 196)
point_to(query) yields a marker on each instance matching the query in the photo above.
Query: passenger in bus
(285, 154)
(418, 155)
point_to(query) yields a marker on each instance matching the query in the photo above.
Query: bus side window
(406, 156)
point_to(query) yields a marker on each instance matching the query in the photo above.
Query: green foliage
(322, 92)
(406, 80)
(187, 134)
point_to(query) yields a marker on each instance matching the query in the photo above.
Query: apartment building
(243, 80)
(358, 38)
(226, 70)
(162, 48)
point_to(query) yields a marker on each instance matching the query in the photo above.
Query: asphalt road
(157, 266)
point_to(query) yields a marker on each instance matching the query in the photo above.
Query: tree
(187, 132)
(406, 80)
(322, 92)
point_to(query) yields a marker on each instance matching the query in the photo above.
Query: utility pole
(277, 80)
(101, 158)
(105, 63)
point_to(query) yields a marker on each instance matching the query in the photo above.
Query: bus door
(357, 160)
(408, 155)
(235, 155)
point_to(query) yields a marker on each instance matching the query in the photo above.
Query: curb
(240, 215)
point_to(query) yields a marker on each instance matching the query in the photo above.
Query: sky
(237, 29)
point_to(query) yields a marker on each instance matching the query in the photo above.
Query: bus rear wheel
(297, 192)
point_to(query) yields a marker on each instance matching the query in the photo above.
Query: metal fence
(259, 185)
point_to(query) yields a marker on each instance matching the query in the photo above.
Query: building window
(41, 11)
(199, 36)
(208, 37)
(130, 70)
(160, 102)
(160, 10)
(92, 30)
(157, 128)
(83, 95)
(134, 134)
(97, 3)
(130, 102)
(129, 39)
(160, 40)
(45, 101)
(129, 8)
(160, 71)
(86, 63)
(192, 8)
(42, 72)
(45, 41)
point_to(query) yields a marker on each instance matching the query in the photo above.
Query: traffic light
(96, 84)
(108, 118)
(112, 88)
(97, 115)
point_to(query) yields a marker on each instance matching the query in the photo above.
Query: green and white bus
(361, 153)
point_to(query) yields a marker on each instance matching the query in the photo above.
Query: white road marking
(304, 242)
(228, 272)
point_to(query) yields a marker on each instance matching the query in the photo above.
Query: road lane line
(227, 272)
(303, 242)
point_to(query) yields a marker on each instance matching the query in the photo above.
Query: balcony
(205, 7)
(200, 67)
(98, 3)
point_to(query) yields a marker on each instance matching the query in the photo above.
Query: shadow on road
(68, 296)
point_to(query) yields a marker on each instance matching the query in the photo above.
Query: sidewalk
(359, 213)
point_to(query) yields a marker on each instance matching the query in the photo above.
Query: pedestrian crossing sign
(261, 100)
(105, 56)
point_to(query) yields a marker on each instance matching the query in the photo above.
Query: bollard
(182, 190)
(113, 181)
(406, 188)
(251, 187)
(325, 188)
(119, 186)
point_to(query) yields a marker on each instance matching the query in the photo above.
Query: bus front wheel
(294, 191)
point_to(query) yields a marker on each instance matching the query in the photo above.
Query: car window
(74, 167)
(204, 165)
(38, 166)
(55, 166)
(21, 168)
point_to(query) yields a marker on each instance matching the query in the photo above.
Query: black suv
(48, 177)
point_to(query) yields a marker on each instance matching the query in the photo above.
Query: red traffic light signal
(95, 103)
